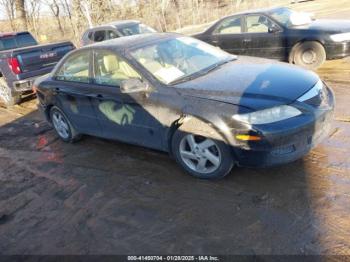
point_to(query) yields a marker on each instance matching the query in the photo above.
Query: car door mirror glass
(274, 29)
(133, 85)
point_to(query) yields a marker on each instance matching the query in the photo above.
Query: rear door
(263, 37)
(228, 35)
(72, 89)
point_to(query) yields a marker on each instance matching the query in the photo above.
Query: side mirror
(133, 85)
(274, 29)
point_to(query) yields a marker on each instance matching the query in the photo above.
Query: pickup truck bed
(20, 66)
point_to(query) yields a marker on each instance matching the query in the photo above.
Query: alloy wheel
(200, 154)
(60, 125)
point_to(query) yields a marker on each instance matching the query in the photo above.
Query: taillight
(14, 65)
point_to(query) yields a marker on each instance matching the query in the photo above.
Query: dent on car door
(71, 88)
(263, 37)
(127, 117)
(228, 35)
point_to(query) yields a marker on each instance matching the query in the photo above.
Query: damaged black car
(209, 109)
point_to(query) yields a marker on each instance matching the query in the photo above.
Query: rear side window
(75, 68)
(100, 36)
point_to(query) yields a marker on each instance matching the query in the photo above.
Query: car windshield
(288, 17)
(179, 59)
(136, 29)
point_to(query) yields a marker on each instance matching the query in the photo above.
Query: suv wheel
(202, 157)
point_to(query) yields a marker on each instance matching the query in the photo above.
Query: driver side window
(110, 69)
(230, 25)
(258, 24)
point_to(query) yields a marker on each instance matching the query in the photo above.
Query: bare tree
(56, 11)
(21, 16)
(33, 15)
(9, 7)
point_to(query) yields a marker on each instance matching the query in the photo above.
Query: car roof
(133, 41)
(116, 24)
(260, 10)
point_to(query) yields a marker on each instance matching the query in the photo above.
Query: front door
(228, 35)
(264, 38)
(127, 117)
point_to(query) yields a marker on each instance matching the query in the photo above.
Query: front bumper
(288, 140)
(338, 50)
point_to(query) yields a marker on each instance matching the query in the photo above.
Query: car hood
(251, 82)
(328, 25)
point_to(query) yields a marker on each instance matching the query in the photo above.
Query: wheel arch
(197, 125)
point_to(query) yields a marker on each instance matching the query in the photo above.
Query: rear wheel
(202, 157)
(62, 126)
(309, 55)
(6, 95)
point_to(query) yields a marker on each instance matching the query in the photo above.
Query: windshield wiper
(202, 72)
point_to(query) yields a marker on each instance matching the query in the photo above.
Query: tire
(62, 126)
(192, 158)
(309, 55)
(6, 95)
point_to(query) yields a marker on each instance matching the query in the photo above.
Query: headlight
(341, 37)
(316, 90)
(269, 115)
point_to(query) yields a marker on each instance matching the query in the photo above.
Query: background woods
(52, 20)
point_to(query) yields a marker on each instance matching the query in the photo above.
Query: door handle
(215, 42)
(247, 40)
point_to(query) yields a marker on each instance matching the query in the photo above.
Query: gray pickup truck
(22, 60)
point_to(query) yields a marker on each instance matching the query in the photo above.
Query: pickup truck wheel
(62, 126)
(309, 55)
(6, 96)
(202, 157)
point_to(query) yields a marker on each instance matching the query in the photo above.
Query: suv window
(111, 34)
(100, 36)
(75, 68)
(90, 35)
(258, 24)
(110, 69)
(229, 26)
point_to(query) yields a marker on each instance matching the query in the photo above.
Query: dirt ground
(103, 197)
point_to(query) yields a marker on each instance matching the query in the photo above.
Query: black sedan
(282, 34)
(209, 109)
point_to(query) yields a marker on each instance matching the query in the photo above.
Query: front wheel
(309, 55)
(202, 157)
